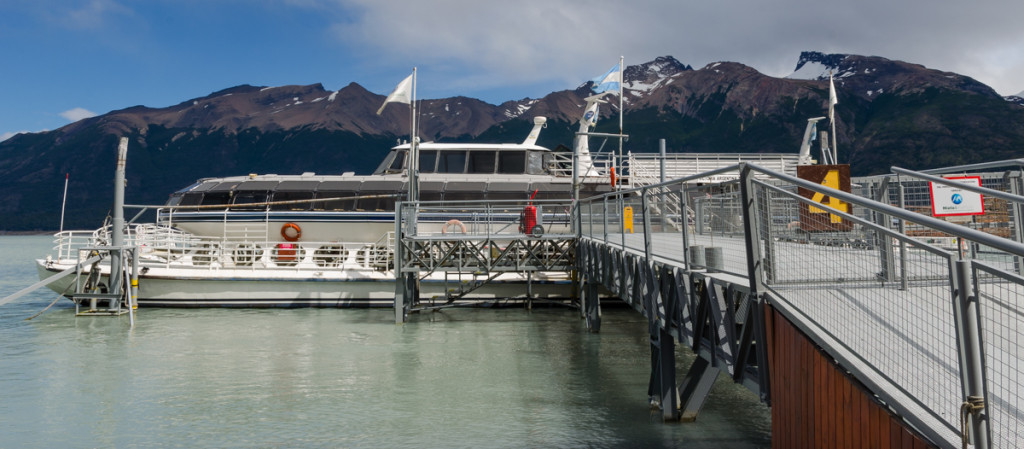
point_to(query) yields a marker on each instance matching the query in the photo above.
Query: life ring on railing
(611, 172)
(287, 235)
(453, 222)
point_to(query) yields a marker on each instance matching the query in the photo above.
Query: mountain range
(889, 113)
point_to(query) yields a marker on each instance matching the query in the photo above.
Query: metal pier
(842, 312)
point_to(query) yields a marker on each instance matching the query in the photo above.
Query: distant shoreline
(27, 232)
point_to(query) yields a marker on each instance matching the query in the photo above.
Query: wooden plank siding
(815, 403)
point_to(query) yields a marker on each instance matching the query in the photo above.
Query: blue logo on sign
(957, 198)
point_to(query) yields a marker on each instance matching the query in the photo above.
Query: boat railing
(561, 165)
(161, 246)
(492, 218)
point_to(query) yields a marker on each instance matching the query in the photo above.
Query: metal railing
(889, 306)
(160, 246)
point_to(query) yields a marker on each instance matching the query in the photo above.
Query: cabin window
(398, 164)
(452, 162)
(292, 196)
(191, 199)
(511, 162)
(341, 204)
(481, 162)
(383, 203)
(535, 163)
(174, 200)
(221, 198)
(243, 200)
(428, 159)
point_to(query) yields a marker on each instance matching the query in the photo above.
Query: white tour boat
(314, 240)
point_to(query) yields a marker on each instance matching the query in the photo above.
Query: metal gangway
(933, 332)
(469, 247)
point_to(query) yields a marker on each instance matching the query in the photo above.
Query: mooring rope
(971, 406)
(61, 295)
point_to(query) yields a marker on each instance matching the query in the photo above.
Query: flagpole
(413, 148)
(832, 117)
(622, 113)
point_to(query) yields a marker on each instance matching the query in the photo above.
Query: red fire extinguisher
(528, 219)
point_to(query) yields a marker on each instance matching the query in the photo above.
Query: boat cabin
(449, 172)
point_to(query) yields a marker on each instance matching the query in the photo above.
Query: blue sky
(65, 60)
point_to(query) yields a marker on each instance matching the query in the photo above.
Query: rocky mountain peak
(814, 65)
(870, 76)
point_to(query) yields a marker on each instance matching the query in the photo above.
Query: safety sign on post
(951, 201)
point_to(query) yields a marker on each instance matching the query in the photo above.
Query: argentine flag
(609, 81)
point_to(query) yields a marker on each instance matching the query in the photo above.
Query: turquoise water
(336, 378)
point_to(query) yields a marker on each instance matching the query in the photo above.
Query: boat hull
(250, 289)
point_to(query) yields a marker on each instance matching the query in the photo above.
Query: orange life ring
(612, 172)
(453, 222)
(289, 237)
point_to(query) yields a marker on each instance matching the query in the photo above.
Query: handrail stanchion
(684, 220)
(647, 224)
(972, 367)
(604, 215)
(755, 271)
(903, 231)
(1015, 180)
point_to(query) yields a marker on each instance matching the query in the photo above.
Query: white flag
(832, 100)
(401, 94)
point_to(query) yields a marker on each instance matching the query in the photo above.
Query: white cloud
(93, 14)
(8, 135)
(487, 45)
(76, 114)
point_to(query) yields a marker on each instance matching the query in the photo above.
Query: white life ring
(453, 222)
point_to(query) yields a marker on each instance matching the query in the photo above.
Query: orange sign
(819, 219)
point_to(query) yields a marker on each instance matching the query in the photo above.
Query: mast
(622, 113)
(414, 159)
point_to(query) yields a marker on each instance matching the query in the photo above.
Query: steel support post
(903, 231)
(972, 367)
(622, 219)
(593, 304)
(399, 265)
(645, 208)
(590, 219)
(769, 239)
(696, 387)
(884, 243)
(698, 219)
(664, 370)
(755, 262)
(117, 280)
(604, 217)
(684, 221)
(755, 273)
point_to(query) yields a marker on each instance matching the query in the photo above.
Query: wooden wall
(816, 404)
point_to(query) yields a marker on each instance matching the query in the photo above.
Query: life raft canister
(289, 236)
(285, 252)
(528, 218)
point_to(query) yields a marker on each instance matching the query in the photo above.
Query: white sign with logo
(950, 201)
